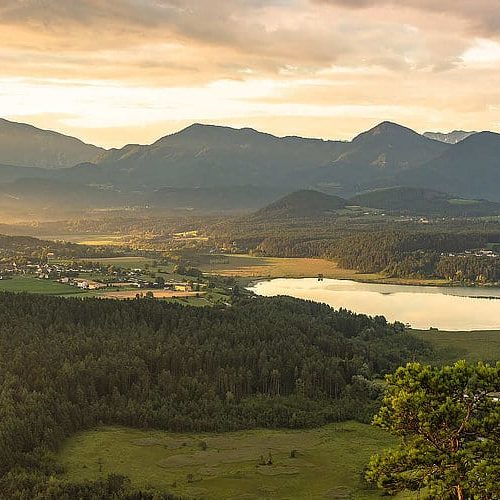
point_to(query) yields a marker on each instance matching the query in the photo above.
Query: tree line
(403, 253)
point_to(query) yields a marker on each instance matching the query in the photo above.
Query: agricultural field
(272, 267)
(319, 463)
(20, 284)
(86, 238)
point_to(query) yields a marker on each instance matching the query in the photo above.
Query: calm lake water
(420, 306)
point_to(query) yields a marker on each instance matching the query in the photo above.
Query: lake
(423, 307)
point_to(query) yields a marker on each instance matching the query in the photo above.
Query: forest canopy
(70, 364)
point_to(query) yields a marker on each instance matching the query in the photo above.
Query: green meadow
(472, 346)
(21, 284)
(319, 463)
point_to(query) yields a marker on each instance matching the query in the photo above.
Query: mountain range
(209, 167)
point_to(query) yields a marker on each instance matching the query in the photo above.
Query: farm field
(20, 284)
(472, 346)
(86, 238)
(272, 267)
(158, 294)
(328, 461)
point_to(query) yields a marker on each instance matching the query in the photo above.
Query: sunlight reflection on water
(453, 308)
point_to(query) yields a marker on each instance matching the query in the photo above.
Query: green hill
(304, 203)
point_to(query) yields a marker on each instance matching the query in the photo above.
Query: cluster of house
(88, 284)
(87, 277)
(45, 271)
(473, 253)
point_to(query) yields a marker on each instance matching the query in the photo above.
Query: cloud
(275, 59)
(482, 16)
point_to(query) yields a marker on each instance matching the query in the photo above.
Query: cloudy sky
(118, 71)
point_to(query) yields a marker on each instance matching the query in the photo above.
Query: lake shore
(444, 308)
(251, 269)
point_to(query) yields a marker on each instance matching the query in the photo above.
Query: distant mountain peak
(449, 137)
(217, 133)
(387, 130)
(386, 127)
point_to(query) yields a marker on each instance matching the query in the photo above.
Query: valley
(249, 249)
(153, 328)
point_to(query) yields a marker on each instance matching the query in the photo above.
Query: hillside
(304, 203)
(210, 200)
(28, 146)
(374, 156)
(425, 202)
(36, 198)
(211, 156)
(470, 168)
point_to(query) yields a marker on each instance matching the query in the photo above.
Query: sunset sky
(119, 71)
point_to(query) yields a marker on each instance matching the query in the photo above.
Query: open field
(157, 294)
(472, 346)
(21, 284)
(86, 238)
(276, 267)
(328, 461)
(250, 266)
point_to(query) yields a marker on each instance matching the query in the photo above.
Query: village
(113, 280)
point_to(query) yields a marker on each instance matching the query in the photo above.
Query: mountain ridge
(25, 145)
(206, 159)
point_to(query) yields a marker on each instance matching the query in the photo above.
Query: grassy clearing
(21, 284)
(275, 267)
(472, 346)
(328, 461)
(86, 238)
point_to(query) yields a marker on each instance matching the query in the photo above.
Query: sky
(130, 71)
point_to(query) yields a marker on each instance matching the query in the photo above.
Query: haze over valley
(221, 169)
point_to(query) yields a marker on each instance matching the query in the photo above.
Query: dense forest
(69, 364)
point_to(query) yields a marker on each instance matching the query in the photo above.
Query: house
(89, 285)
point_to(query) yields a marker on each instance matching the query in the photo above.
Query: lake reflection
(454, 308)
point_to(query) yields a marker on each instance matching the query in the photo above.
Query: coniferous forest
(69, 364)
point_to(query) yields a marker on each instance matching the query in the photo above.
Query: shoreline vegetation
(245, 266)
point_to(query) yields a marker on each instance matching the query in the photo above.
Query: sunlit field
(320, 463)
